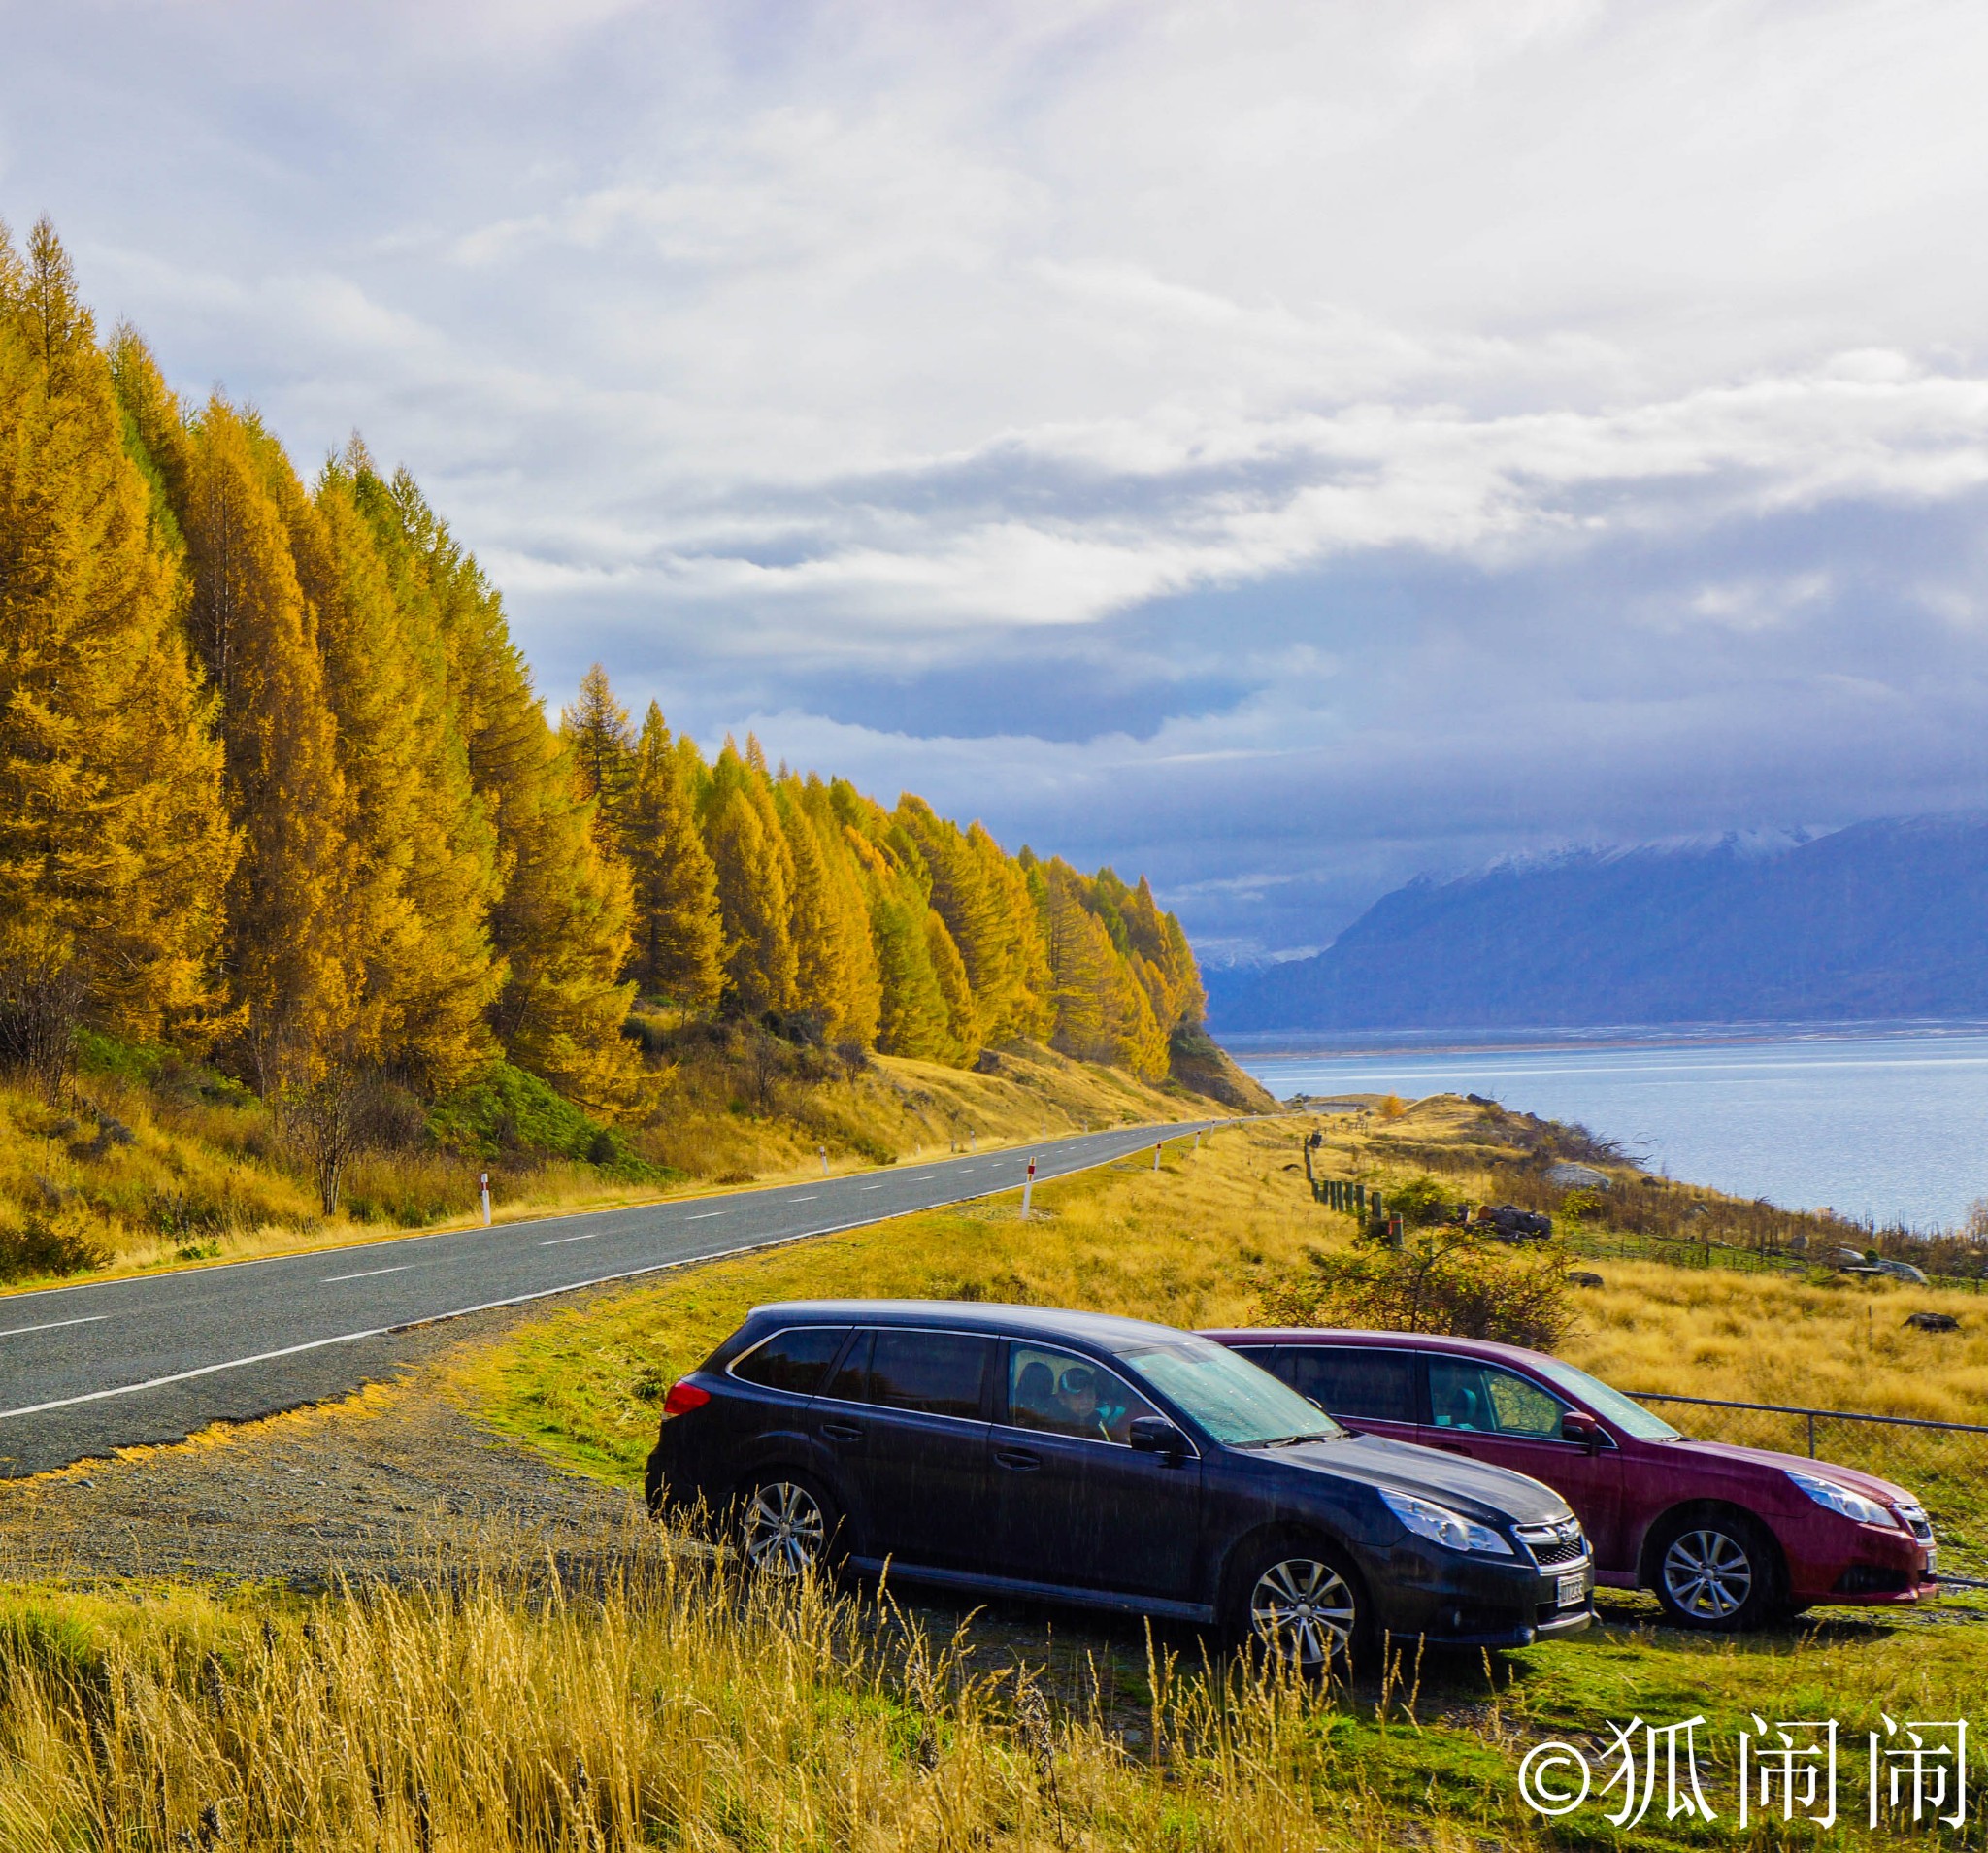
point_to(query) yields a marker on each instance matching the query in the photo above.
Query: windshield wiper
(1287, 1440)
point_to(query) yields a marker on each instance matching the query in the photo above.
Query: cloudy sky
(1283, 449)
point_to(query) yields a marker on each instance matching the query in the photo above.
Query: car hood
(1732, 1454)
(1476, 1489)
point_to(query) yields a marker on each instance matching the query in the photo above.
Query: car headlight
(1840, 1499)
(1441, 1526)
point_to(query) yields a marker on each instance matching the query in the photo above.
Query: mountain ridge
(1881, 919)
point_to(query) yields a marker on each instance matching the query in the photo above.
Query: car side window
(795, 1360)
(1464, 1394)
(933, 1373)
(1061, 1393)
(1353, 1380)
(850, 1383)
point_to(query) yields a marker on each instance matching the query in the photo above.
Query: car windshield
(1592, 1394)
(1240, 1404)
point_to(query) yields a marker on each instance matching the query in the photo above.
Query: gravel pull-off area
(371, 1485)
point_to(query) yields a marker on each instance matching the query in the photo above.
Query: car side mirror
(1155, 1435)
(1582, 1430)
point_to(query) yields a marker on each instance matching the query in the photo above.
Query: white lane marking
(801, 1200)
(369, 1274)
(407, 1325)
(54, 1325)
(706, 1217)
(560, 1241)
(872, 1187)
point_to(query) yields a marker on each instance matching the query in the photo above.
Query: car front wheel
(786, 1527)
(1717, 1572)
(1300, 1605)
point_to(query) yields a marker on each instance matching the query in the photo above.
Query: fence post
(1812, 1435)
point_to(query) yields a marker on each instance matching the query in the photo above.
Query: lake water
(1893, 1127)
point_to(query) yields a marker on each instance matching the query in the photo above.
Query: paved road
(88, 1369)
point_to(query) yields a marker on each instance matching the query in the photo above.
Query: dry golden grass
(665, 1703)
(201, 1182)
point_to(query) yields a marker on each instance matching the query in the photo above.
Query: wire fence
(1681, 1252)
(1944, 1464)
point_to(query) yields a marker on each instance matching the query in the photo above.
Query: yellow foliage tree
(113, 843)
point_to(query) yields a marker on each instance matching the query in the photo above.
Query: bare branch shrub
(1447, 1281)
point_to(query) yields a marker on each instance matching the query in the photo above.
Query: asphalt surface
(89, 1369)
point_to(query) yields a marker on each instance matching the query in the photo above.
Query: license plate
(1932, 1563)
(1574, 1588)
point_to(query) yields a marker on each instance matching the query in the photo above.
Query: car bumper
(1450, 1600)
(1861, 1565)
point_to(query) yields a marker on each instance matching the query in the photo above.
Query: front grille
(1554, 1545)
(1917, 1523)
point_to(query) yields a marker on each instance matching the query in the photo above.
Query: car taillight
(684, 1397)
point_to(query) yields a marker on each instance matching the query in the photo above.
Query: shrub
(60, 1241)
(1392, 1107)
(1452, 1282)
(1422, 1200)
(505, 1112)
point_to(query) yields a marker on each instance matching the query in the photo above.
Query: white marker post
(486, 1200)
(823, 1150)
(1028, 1184)
(1157, 1157)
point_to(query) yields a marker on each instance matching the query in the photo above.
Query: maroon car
(1727, 1537)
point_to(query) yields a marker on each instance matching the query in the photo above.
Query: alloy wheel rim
(1303, 1610)
(783, 1530)
(1709, 1575)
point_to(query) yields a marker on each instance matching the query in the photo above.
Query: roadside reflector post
(486, 1186)
(1157, 1157)
(1028, 1186)
(823, 1150)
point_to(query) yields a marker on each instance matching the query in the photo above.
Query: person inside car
(1078, 1410)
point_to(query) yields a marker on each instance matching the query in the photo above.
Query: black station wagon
(1078, 1458)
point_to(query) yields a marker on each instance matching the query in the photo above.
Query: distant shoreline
(1457, 1040)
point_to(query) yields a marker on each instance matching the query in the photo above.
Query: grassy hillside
(149, 1159)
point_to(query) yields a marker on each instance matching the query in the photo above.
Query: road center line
(872, 1187)
(22, 1331)
(385, 1331)
(369, 1273)
(560, 1241)
(706, 1217)
(801, 1200)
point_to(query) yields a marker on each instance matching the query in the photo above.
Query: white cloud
(764, 346)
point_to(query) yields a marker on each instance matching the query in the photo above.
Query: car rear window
(795, 1360)
(902, 1368)
(1352, 1380)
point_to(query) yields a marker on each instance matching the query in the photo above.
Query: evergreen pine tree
(600, 739)
(679, 936)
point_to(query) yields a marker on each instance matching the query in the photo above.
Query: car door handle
(841, 1431)
(1020, 1459)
